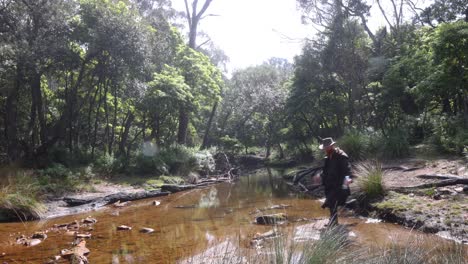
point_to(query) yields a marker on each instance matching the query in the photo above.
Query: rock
(32, 242)
(70, 233)
(83, 235)
(89, 220)
(156, 203)
(74, 225)
(461, 171)
(271, 219)
(258, 240)
(411, 195)
(459, 189)
(373, 221)
(78, 254)
(39, 235)
(146, 230)
(119, 204)
(124, 227)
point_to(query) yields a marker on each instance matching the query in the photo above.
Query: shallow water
(212, 220)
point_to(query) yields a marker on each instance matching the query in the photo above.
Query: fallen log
(173, 188)
(430, 185)
(113, 198)
(303, 173)
(402, 168)
(103, 201)
(439, 176)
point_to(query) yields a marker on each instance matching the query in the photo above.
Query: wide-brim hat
(326, 142)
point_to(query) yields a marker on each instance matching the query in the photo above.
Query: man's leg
(333, 214)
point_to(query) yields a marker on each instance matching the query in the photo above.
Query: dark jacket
(336, 167)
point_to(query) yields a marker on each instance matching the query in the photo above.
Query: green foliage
(354, 144)
(395, 144)
(180, 160)
(369, 179)
(231, 145)
(150, 165)
(58, 179)
(449, 135)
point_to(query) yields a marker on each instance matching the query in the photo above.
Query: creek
(190, 225)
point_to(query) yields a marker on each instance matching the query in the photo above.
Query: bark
(37, 99)
(183, 126)
(440, 176)
(114, 122)
(208, 127)
(124, 137)
(11, 127)
(281, 152)
(96, 122)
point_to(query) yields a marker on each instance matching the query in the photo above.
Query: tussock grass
(370, 180)
(18, 197)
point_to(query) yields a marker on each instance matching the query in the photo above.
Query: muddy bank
(412, 199)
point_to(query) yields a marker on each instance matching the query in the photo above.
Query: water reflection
(210, 199)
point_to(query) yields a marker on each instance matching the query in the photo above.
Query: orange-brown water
(215, 214)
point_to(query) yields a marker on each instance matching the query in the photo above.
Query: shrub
(58, 179)
(205, 161)
(150, 165)
(231, 145)
(395, 144)
(180, 160)
(105, 163)
(370, 175)
(354, 144)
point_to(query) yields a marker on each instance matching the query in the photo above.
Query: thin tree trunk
(124, 137)
(183, 126)
(96, 122)
(208, 126)
(11, 115)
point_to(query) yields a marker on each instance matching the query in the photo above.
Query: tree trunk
(124, 138)
(183, 126)
(114, 122)
(208, 126)
(11, 115)
(280, 149)
(96, 122)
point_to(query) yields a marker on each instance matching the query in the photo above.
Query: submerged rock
(146, 230)
(271, 219)
(78, 254)
(89, 220)
(124, 227)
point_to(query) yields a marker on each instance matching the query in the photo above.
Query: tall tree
(193, 16)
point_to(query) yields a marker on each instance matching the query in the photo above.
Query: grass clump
(19, 198)
(370, 180)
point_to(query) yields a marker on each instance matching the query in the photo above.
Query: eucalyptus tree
(193, 15)
(35, 41)
(253, 103)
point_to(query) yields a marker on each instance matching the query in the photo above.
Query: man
(335, 177)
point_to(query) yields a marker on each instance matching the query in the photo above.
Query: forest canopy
(83, 79)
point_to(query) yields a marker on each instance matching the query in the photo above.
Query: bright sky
(252, 31)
